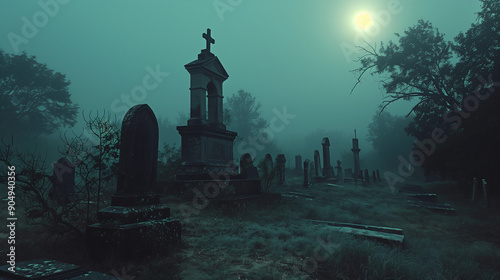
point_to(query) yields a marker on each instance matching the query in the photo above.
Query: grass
(274, 241)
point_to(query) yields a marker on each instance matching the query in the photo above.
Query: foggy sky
(287, 53)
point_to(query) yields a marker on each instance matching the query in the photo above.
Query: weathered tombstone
(327, 168)
(136, 225)
(306, 173)
(348, 173)
(485, 192)
(298, 164)
(340, 176)
(378, 176)
(268, 161)
(317, 163)
(474, 186)
(248, 170)
(374, 177)
(312, 173)
(280, 162)
(367, 176)
(63, 180)
(355, 151)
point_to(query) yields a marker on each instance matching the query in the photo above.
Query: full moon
(364, 20)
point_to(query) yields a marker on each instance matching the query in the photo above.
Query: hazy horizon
(287, 54)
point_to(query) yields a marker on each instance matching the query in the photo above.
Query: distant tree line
(457, 84)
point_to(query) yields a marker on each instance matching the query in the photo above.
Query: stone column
(215, 109)
(355, 151)
(317, 163)
(280, 162)
(306, 173)
(198, 109)
(298, 164)
(340, 175)
(327, 168)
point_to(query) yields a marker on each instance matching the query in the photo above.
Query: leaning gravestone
(280, 163)
(136, 225)
(268, 161)
(63, 180)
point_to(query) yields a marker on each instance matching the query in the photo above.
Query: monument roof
(209, 62)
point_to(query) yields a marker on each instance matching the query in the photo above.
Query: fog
(292, 56)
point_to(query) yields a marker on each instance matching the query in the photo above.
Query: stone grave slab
(296, 194)
(428, 197)
(335, 185)
(388, 235)
(437, 207)
(45, 269)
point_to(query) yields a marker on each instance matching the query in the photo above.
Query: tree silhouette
(34, 99)
(244, 114)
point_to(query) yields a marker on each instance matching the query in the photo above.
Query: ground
(273, 239)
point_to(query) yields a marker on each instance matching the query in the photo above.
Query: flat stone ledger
(205, 151)
(50, 270)
(134, 241)
(132, 233)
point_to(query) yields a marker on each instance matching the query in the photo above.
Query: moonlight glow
(364, 20)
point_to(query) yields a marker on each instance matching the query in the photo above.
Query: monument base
(135, 199)
(328, 172)
(319, 179)
(231, 187)
(203, 171)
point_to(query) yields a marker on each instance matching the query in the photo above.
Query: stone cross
(209, 39)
